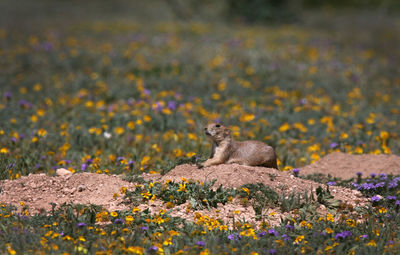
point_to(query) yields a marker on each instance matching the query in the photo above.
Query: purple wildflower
(272, 251)
(144, 228)
(47, 46)
(333, 145)
(201, 243)
(397, 202)
(81, 224)
(303, 101)
(272, 231)
(364, 236)
(119, 221)
(373, 175)
(359, 174)
(261, 234)
(375, 198)
(7, 95)
(391, 197)
(366, 186)
(380, 185)
(152, 248)
(159, 107)
(84, 167)
(392, 185)
(289, 227)
(172, 105)
(331, 183)
(24, 104)
(296, 172)
(343, 235)
(234, 236)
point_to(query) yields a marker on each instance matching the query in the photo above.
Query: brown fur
(227, 151)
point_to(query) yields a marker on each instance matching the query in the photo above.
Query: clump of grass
(199, 195)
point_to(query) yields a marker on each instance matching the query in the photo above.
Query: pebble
(63, 172)
(81, 188)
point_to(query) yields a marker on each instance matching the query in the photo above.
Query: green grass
(120, 96)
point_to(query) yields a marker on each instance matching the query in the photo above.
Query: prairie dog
(227, 151)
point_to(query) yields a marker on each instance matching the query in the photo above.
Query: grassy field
(121, 96)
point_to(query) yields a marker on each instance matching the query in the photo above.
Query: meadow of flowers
(120, 97)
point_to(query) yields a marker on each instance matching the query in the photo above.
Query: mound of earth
(346, 166)
(37, 191)
(234, 176)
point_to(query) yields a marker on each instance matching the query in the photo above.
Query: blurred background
(84, 83)
(227, 11)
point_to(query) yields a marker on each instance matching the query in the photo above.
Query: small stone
(69, 191)
(81, 188)
(63, 172)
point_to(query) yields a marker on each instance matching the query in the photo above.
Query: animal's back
(254, 153)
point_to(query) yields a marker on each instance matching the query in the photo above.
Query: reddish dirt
(37, 191)
(345, 166)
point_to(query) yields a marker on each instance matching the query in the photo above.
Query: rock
(81, 188)
(63, 172)
(69, 191)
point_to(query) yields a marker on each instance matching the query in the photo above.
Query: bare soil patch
(37, 191)
(346, 166)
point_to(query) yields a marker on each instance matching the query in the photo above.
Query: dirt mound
(37, 191)
(235, 175)
(345, 166)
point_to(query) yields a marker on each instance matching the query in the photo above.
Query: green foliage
(200, 195)
(324, 197)
(261, 196)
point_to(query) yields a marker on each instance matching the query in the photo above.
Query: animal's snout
(206, 131)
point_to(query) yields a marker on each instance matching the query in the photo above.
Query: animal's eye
(205, 128)
(218, 125)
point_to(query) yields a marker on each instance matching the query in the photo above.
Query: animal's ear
(218, 121)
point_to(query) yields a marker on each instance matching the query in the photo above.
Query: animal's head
(217, 131)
